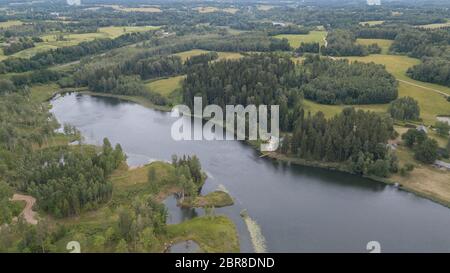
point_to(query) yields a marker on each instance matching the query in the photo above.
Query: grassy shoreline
(332, 166)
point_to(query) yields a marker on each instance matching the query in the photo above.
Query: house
(422, 128)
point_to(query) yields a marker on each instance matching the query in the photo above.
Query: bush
(405, 108)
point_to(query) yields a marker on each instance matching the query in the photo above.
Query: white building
(373, 2)
(74, 2)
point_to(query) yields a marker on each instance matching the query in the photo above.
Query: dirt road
(424, 87)
(28, 213)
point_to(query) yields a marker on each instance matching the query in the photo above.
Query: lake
(298, 209)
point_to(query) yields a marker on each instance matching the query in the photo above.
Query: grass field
(216, 199)
(431, 103)
(43, 92)
(70, 39)
(149, 9)
(332, 110)
(371, 23)
(434, 26)
(222, 55)
(424, 179)
(296, 39)
(214, 9)
(384, 44)
(2, 56)
(231, 10)
(10, 23)
(165, 86)
(265, 7)
(206, 9)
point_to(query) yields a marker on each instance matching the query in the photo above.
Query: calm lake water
(298, 209)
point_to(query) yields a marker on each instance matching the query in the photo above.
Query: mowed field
(51, 40)
(371, 23)
(430, 101)
(10, 23)
(195, 52)
(143, 8)
(166, 86)
(214, 9)
(382, 43)
(434, 26)
(295, 40)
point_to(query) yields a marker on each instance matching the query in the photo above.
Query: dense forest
(66, 181)
(355, 137)
(270, 79)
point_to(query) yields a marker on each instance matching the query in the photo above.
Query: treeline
(435, 70)
(247, 42)
(202, 58)
(420, 43)
(38, 76)
(377, 32)
(70, 53)
(308, 48)
(20, 45)
(67, 180)
(343, 43)
(356, 138)
(126, 77)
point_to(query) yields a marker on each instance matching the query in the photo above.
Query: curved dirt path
(424, 87)
(28, 213)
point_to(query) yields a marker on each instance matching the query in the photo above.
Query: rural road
(28, 213)
(424, 87)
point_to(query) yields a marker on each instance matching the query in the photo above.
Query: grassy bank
(216, 199)
(211, 233)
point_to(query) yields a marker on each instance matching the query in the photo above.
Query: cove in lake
(299, 209)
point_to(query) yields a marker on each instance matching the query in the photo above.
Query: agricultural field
(222, 55)
(11, 23)
(371, 23)
(296, 39)
(143, 8)
(434, 26)
(207, 9)
(214, 9)
(165, 86)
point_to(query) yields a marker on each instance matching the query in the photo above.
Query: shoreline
(331, 166)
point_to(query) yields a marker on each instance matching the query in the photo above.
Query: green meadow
(315, 36)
